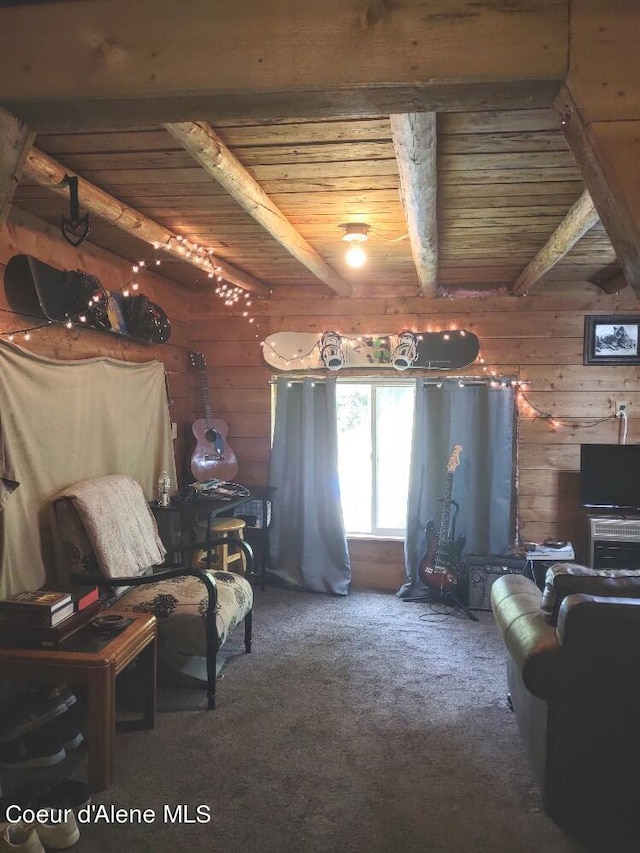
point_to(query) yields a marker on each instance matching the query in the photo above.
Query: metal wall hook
(76, 228)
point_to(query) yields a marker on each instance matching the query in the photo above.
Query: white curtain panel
(66, 421)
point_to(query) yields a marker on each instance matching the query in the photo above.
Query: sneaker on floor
(20, 839)
(74, 794)
(32, 712)
(59, 831)
(62, 794)
(32, 751)
(67, 728)
(54, 794)
(21, 797)
(64, 693)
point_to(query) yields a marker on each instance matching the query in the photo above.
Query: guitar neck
(206, 401)
(445, 518)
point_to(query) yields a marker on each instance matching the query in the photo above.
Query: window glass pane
(355, 455)
(375, 423)
(394, 425)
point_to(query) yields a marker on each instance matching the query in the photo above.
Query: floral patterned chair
(104, 534)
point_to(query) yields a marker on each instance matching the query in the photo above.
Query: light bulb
(356, 256)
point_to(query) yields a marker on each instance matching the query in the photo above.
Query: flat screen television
(610, 477)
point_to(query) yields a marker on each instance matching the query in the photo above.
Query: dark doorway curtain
(308, 546)
(480, 418)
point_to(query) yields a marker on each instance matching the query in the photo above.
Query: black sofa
(573, 678)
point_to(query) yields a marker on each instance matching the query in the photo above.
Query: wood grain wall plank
(23, 234)
(538, 338)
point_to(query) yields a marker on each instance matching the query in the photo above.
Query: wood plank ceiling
(505, 182)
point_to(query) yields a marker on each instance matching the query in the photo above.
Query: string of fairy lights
(231, 295)
(528, 409)
(312, 358)
(235, 297)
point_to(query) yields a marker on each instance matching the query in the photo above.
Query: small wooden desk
(92, 660)
(262, 495)
(176, 529)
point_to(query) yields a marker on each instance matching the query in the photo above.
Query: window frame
(375, 383)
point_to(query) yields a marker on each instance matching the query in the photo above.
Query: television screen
(610, 477)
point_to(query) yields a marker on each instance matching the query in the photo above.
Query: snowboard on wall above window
(36, 289)
(445, 350)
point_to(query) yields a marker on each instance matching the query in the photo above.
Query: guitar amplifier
(483, 571)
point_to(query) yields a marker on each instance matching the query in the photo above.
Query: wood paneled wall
(536, 338)
(24, 234)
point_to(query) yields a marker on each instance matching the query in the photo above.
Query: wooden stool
(223, 556)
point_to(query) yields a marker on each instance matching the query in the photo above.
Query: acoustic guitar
(212, 458)
(439, 567)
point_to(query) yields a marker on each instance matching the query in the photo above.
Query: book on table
(44, 619)
(83, 598)
(36, 599)
(37, 607)
(32, 635)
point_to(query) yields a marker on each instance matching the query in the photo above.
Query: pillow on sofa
(564, 579)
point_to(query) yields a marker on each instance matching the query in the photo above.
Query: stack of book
(45, 618)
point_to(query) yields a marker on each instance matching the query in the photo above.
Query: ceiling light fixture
(355, 234)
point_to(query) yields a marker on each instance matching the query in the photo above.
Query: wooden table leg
(147, 662)
(100, 727)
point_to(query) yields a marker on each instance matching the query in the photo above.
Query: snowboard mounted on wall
(446, 350)
(38, 290)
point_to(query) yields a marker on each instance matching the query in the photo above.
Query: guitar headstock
(454, 458)
(197, 360)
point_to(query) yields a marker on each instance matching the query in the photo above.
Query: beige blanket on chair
(118, 523)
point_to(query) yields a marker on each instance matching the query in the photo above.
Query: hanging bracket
(76, 228)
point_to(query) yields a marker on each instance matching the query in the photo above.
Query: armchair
(104, 534)
(573, 654)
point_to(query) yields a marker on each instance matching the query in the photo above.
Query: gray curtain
(308, 546)
(480, 419)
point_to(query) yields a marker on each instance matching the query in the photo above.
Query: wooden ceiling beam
(582, 216)
(607, 154)
(44, 170)
(414, 143)
(15, 143)
(115, 61)
(599, 109)
(206, 147)
(49, 116)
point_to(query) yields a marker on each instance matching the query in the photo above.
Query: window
(375, 421)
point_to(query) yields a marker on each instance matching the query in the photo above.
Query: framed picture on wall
(611, 339)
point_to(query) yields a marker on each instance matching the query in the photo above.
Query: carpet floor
(358, 725)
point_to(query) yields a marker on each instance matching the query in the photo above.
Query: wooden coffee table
(92, 660)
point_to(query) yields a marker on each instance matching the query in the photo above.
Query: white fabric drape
(66, 421)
